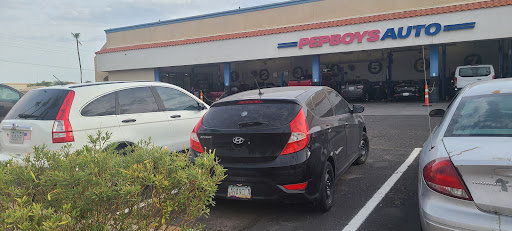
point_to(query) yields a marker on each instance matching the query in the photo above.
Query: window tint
(321, 105)
(39, 104)
(489, 115)
(8, 95)
(339, 104)
(105, 105)
(175, 100)
(474, 71)
(137, 100)
(249, 116)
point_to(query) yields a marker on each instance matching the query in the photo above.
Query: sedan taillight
(441, 176)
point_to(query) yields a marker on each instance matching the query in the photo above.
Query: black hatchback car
(288, 143)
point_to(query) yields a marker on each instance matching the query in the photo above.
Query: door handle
(129, 120)
(175, 116)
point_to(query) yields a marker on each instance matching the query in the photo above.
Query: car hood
(485, 165)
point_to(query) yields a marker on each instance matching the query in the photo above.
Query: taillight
(300, 134)
(493, 77)
(455, 80)
(442, 177)
(194, 139)
(299, 186)
(62, 131)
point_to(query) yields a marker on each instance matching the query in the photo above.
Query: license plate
(239, 192)
(406, 94)
(16, 137)
(351, 88)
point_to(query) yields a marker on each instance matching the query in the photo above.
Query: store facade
(329, 41)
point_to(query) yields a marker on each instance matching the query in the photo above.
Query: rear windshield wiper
(25, 116)
(251, 124)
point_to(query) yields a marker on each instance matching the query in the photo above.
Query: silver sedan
(465, 167)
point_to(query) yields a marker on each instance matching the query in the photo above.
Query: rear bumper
(407, 95)
(265, 179)
(352, 94)
(440, 212)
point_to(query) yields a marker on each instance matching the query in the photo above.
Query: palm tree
(76, 36)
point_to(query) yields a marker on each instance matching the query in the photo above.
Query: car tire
(325, 201)
(364, 149)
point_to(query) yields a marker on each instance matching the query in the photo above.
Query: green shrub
(96, 188)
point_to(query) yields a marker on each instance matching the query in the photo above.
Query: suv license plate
(16, 137)
(239, 192)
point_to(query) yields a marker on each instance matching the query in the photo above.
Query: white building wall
(489, 25)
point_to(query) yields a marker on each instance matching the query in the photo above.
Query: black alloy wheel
(364, 149)
(326, 199)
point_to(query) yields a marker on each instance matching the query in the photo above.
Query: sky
(36, 43)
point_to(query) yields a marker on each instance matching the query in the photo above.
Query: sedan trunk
(485, 165)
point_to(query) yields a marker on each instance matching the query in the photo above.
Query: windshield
(40, 104)
(259, 115)
(474, 71)
(489, 115)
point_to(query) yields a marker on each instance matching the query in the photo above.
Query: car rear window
(251, 115)
(40, 104)
(474, 71)
(489, 115)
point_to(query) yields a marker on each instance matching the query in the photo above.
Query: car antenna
(61, 83)
(259, 89)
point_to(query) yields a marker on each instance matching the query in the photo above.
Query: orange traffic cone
(426, 95)
(202, 96)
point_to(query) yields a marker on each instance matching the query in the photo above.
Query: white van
(465, 75)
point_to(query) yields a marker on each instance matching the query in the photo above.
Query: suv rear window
(255, 115)
(474, 71)
(40, 104)
(489, 115)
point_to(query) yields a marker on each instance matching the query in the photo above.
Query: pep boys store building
(339, 40)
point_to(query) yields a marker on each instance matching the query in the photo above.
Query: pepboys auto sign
(375, 35)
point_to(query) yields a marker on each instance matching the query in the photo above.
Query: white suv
(131, 111)
(465, 75)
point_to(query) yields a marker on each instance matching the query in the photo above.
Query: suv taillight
(442, 177)
(300, 134)
(194, 139)
(62, 131)
(455, 80)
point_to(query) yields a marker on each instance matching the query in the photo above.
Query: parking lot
(395, 130)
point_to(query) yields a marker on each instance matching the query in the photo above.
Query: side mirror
(358, 108)
(437, 113)
(200, 106)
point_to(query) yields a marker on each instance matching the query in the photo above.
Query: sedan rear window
(474, 71)
(40, 104)
(489, 115)
(251, 115)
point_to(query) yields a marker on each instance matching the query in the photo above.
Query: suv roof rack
(96, 84)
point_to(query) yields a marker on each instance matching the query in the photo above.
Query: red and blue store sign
(376, 35)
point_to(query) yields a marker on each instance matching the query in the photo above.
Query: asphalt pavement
(394, 130)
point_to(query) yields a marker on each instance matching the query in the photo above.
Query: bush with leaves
(97, 188)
